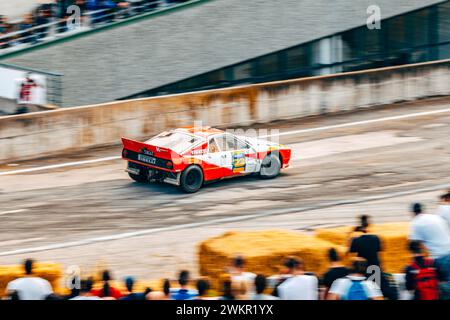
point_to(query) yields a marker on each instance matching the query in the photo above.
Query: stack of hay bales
(47, 270)
(394, 241)
(264, 252)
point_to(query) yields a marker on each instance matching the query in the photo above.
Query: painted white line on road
(358, 123)
(336, 126)
(61, 165)
(284, 211)
(12, 211)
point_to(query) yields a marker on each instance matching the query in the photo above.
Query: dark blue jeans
(443, 265)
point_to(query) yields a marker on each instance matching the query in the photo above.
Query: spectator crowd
(426, 277)
(54, 15)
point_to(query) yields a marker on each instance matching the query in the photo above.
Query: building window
(444, 22)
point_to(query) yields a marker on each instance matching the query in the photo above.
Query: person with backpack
(421, 276)
(368, 246)
(355, 286)
(434, 233)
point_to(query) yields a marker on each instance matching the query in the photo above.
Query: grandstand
(137, 55)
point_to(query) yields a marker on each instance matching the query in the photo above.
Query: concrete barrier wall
(45, 133)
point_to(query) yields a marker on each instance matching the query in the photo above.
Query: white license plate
(146, 159)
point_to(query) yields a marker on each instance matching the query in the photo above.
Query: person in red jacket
(421, 276)
(107, 291)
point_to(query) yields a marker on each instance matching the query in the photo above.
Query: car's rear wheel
(191, 179)
(270, 166)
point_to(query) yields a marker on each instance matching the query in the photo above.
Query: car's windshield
(172, 140)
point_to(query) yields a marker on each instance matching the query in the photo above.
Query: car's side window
(241, 145)
(221, 143)
(227, 142)
(213, 146)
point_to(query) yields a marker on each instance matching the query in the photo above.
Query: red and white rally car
(189, 157)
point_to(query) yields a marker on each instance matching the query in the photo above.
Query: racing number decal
(238, 161)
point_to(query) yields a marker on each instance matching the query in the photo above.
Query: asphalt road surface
(88, 213)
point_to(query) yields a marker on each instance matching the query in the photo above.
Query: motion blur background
(362, 101)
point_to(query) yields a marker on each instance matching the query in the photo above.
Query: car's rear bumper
(153, 173)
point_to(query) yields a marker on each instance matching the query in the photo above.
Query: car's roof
(200, 131)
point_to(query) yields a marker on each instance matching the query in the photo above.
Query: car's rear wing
(148, 154)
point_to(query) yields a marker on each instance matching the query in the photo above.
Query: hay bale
(264, 252)
(47, 270)
(394, 238)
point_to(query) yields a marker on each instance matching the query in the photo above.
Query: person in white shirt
(432, 230)
(355, 286)
(29, 287)
(238, 274)
(444, 208)
(301, 286)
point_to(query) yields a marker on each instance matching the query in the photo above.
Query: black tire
(191, 179)
(141, 177)
(270, 166)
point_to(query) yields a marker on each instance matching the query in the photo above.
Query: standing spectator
(27, 23)
(202, 288)
(183, 293)
(129, 284)
(433, 231)
(355, 286)
(301, 286)
(107, 291)
(158, 295)
(367, 245)
(260, 287)
(85, 291)
(40, 20)
(5, 28)
(444, 207)
(26, 94)
(30, 287)
(336, 271)
(239, 289)
(421, 275)
(238, 273)
(290, 265)
(227, 292)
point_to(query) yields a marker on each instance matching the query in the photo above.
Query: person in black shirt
(336, 271)
(368, 246)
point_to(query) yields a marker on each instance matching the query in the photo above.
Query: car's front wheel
(191, 179)
(270, 166)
